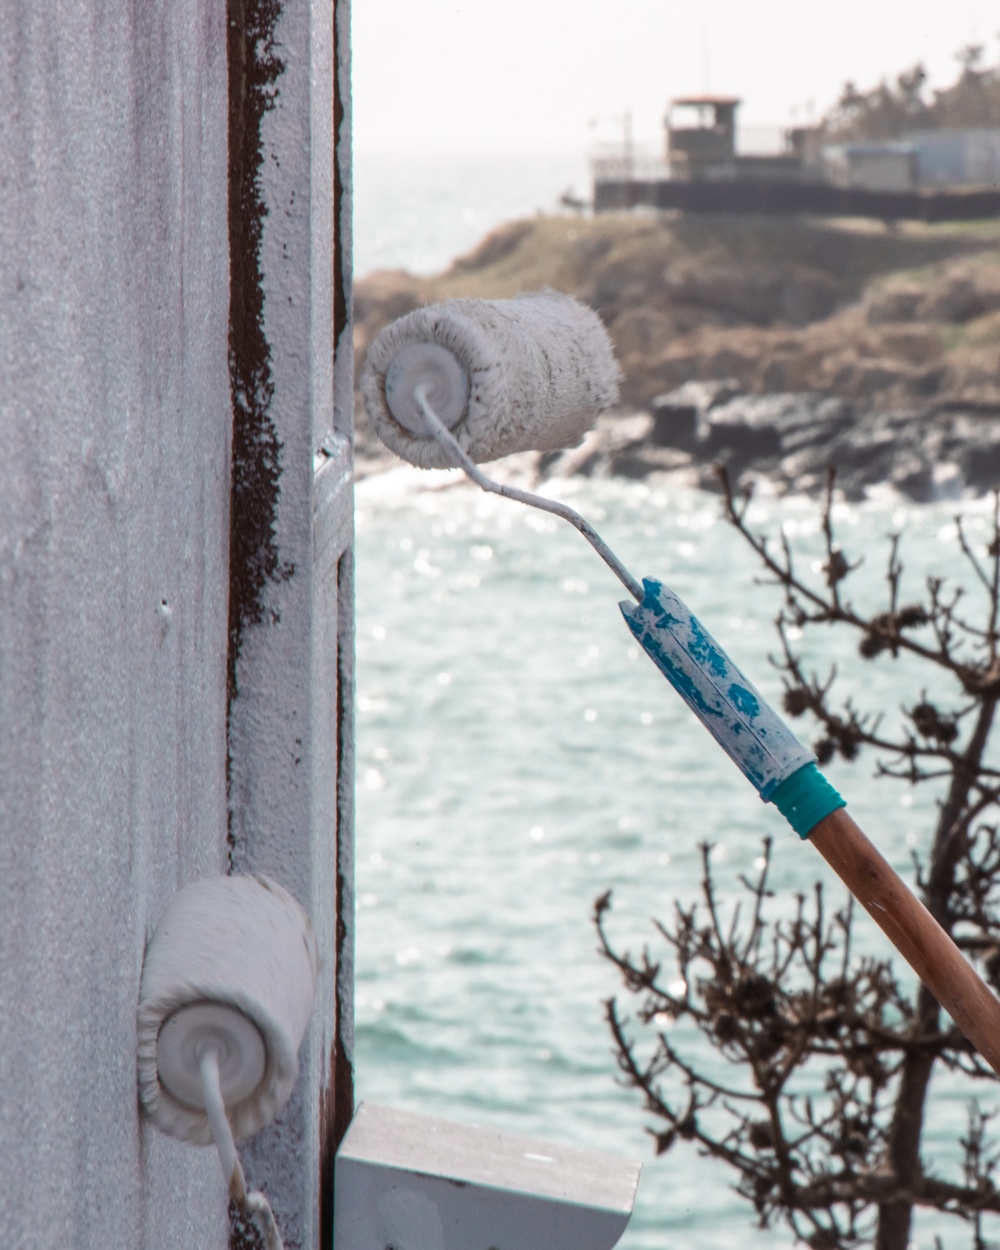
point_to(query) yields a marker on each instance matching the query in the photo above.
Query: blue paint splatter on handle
(744, 701)
(727, 704)
(703, 649)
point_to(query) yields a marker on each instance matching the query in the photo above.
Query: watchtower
(701, 136)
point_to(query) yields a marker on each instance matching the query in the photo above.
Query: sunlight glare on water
(518, 756)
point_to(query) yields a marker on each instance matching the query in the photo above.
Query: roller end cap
(192, 1031)
(445, 383)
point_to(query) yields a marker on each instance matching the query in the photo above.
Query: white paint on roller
(540, 371)
(231, 967)
(439, 374)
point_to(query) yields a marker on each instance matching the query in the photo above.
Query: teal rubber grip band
(805, 798)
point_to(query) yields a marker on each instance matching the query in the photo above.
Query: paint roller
(527, 374)
(466, 381)
(227, 989)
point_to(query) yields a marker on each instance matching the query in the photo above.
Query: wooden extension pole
(912, 929)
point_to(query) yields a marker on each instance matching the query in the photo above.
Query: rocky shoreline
(775, 348)
(792, 440)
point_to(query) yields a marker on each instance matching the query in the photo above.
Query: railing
(639, 168)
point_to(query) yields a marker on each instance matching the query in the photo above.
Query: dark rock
(547, 460)
(675, 425)
(803, 471)
(678, 415)
(969, 428)
(892, 303)
(958, 299)
(913, 477)
(899, 448)
(794, 439)
(971, 440)
(640, 460)
(761, 430)
(816, 421)
(815, 433)
(871, 442)
(738, 442)
(980, 465)
(616, 439)
(798, 420)
(927, 381)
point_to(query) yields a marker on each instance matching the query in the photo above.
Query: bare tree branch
(823, 1043)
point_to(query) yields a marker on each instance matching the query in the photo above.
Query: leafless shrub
(831, 1055)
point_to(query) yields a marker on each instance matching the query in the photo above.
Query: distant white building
(872, 166)
(924, 158)
(948, 158)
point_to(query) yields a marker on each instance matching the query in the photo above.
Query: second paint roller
(467, 381)
(228, 982)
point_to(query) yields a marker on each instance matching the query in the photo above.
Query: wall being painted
(174, 689)
(292, 630)
(114, 485)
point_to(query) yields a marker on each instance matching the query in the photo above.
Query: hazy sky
(503, 74)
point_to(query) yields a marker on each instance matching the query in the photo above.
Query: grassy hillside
(899, 316)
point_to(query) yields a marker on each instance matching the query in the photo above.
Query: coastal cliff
(775, 345)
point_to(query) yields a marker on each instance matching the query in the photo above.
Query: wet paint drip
(751, 733)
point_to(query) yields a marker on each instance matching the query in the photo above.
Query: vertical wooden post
(290, 626)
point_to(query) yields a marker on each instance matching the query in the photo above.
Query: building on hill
(948, 158)
(701, 144)
(872, 166)
(928, 175)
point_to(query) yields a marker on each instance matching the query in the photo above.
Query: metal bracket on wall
(333, 504)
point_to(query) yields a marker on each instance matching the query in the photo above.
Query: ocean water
(420, 210)
(517, 757)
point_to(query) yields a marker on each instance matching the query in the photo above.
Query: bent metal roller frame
(473, 380)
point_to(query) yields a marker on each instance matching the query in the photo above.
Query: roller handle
(784, 773)
(913, 931)
(719, 693)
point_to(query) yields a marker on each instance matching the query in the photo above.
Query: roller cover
(239, 943)
(540, 369)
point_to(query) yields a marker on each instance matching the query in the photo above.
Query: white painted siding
(116, 729)
(115, 420)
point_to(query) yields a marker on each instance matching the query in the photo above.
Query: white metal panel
(415, 1183)
(114, 482)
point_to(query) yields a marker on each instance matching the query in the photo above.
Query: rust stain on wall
(341, 276)
(337, 1106)
(254, 70)
(337, 1102)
